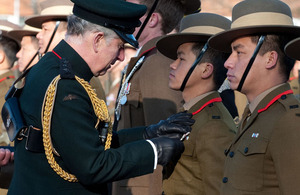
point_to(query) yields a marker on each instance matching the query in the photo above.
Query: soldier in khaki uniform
(145, 97)
(263, 158)
(200, 168)
(53, 22)
(8, 50)
(27, 55)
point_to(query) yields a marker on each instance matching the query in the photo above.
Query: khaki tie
(246, 116)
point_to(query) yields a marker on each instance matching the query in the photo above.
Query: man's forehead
(241, 42)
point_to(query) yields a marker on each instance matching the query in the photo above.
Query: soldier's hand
(174, 127)
(5, 156)
(167, 149)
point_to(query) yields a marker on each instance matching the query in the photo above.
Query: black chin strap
(146, 20)
(30, 61)
(258, 46)
(51, 38)
(193, 66)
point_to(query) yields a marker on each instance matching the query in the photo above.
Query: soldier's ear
(271, 59)
(98, 41)
(2, 56)
(154, 20)
(207, 70)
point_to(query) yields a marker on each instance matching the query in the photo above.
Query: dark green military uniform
(93, 166)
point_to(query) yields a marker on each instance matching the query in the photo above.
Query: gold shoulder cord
(49, 99)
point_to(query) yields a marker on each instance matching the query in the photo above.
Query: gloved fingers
(176, 128)
(179, 117)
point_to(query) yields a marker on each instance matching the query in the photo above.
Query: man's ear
(98, 39)
(207, 70)
(2, 56)
(154, 20)
(271, 59)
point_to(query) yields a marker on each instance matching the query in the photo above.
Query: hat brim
(37, 21)
(222, 41)
(169, 44)
(19, 34)
(127, 38)
(292, 49)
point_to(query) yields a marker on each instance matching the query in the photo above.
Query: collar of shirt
(261, 96)
(192, 102)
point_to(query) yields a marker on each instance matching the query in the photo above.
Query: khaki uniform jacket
(150, 100)
(73, 135)
(264, 158)
(200, 169)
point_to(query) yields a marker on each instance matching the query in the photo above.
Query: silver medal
(123, 100)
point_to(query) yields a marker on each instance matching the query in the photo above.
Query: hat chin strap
(193, 66)
(147, 19)
(256, 50)
(51, 38)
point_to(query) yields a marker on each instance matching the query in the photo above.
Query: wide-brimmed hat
(118, 15)
(256, 17)
(6, 26)
(197, 27)
(25, 31)
(292, 49)
(52, 10)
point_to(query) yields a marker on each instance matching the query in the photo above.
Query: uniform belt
(34, 139)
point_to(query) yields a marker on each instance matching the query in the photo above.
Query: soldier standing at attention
(53, 22)
(69, 146)
(27, 55)
(145, 97)
(200, 69)
(263, 158)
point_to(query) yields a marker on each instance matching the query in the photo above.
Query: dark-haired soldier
(200, 167)
(263, 158)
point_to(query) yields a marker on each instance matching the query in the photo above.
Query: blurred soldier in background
(53, 22)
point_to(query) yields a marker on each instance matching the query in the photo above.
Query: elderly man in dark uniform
(200, 168)
(66, 147)
(263, 158)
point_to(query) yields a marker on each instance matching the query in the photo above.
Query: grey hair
(78, 26)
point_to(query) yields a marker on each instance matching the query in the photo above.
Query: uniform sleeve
(214, 138)
(77, 142)
(285, 150)
(159, 101)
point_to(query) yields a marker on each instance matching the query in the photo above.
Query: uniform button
(225, 179)
(211, 105)
(246, 150)
(283, 97)
(231, 154)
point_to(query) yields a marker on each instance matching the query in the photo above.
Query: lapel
(267, 101)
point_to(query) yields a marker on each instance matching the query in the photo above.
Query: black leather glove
(167, 149)
(174, 127)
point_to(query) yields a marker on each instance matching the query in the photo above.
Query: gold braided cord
(49, 99)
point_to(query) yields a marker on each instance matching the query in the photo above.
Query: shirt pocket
(248, 165)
